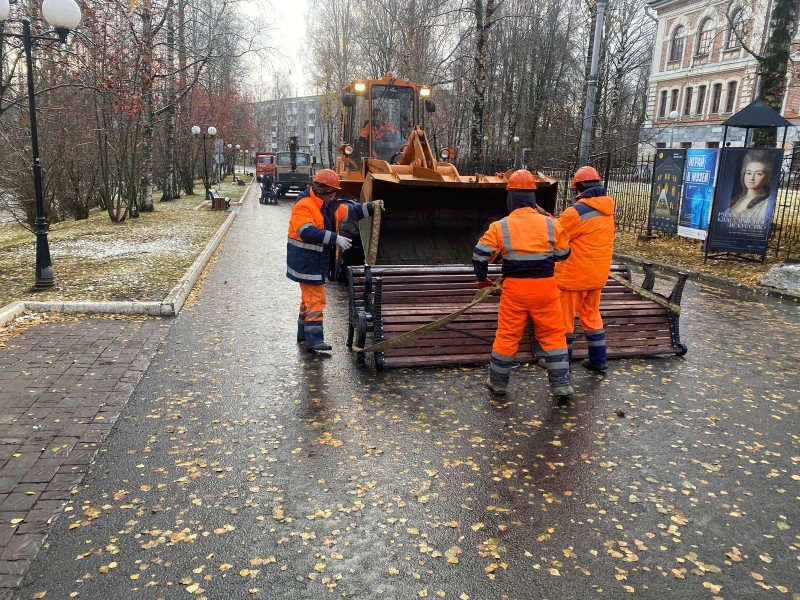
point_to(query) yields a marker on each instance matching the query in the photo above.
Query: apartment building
(277, 120)
(701, 74)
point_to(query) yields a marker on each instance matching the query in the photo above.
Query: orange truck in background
(265, 165)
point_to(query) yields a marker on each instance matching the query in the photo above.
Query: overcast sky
(288, 37)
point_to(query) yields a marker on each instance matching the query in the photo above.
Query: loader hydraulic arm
(416, 151)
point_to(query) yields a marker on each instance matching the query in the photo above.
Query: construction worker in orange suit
(590, 225)
(313, 235)
(530, 244)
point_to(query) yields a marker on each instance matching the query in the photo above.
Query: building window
(712, 144)
(674, 103)
(735, 25)
(661, 144)
(716, 95)
(705, 37)
(676, 44)
(662, 109)
(730, 100)
(701, 99)
(687, 102)
(686, 144)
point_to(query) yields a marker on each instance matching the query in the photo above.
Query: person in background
(381, 128)
(530, 244)
(589, 222)
(313, 234)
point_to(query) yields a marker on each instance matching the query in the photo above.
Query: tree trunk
(170, 160)
(146, 196)
(483, 22)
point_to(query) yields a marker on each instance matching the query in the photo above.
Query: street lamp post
(231, 160)
(673, 115)
(486, 153)
(63, 15)
(515, 139)
(210, 133)
(236, 156)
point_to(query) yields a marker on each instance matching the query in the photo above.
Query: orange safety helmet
(521, 180)
(585, 173)
(328, 177)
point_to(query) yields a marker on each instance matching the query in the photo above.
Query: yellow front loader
(434, 215)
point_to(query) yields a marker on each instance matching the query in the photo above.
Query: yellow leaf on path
(39, 595)
(714, 588)
(554, 572)
(477, 526)
(225, 567)
(452, 554)
(393, 571)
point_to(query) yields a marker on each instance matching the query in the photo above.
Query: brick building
(701, 74)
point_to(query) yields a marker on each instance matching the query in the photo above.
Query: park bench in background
(218, 202)
(392, 300)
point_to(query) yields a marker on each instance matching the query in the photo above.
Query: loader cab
(378, 117)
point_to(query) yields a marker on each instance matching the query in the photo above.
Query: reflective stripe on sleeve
(506, 235)
(299, 244)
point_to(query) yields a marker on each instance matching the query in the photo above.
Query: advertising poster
(698, 192)
(666, 191)
(747, 187)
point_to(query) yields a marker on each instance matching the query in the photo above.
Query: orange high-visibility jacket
(590, 225)
(313, 229)
(530, 244)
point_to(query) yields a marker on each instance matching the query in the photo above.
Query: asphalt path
(243, 467)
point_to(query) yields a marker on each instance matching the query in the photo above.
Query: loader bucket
(430, 222)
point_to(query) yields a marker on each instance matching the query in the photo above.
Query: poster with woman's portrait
(747, 187)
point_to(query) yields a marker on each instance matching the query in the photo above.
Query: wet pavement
(242, 467)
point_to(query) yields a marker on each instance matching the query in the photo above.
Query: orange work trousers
(585, 304)
(537, 298)
(312, 302)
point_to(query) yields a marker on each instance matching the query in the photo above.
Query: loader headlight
(445, 154)
(425, 92)
(360, 87)
(346, 149)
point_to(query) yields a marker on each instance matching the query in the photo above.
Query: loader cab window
(388, 121)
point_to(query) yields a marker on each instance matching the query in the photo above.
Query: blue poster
(665, 195)
(744, 200)
(698, 192)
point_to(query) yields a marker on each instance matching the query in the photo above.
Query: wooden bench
(218, 202)
(361, 291)
(392, 300)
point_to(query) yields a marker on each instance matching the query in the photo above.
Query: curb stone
(714, 280)
(170, 306)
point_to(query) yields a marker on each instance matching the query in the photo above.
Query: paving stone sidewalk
(62, 387)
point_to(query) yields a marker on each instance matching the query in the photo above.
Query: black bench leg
(362, 337)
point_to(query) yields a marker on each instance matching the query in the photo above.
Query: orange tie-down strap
(413, 335)
(647, 294)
